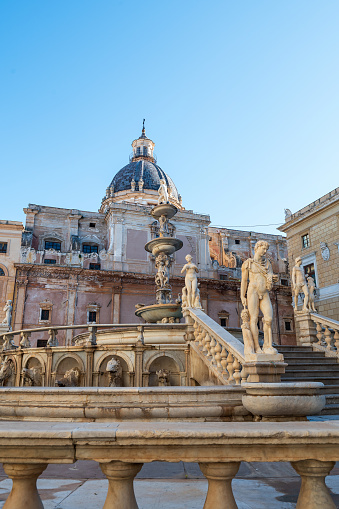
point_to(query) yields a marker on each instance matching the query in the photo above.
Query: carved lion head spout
(163, 377)
(70, 379)
(32, 376)
(114, 369)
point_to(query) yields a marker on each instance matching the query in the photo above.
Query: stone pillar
(89, 365)
(71, 295)
(48, 379)
(188, 364)
(306, 331)
(120, 477)
(18, 368)
(116, 306)
(20, 304)
(314, 493)
(24, 492)
(220, 476)
(264, 372)
(139, 350)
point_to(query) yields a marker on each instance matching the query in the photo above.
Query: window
(41, 343)
(223, 322)
(3, 247)
(2, 272)
(92, 225)
(94, 266)
(50, 244)
(223, 318)
(284, 282)
(310, 270)
(223, 277)
(89, 248)
(305, 240)
(288, 325)
(44, 315)
(237, 241)
(49, 261)
(92, 316)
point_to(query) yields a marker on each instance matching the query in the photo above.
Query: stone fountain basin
(157, 312)
(165, 209)
(297, 399)
(167, 245)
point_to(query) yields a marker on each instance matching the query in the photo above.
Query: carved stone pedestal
(220, 476)
(314, 493)
(120, 477)
(24, 494)
(266, 372)
(306, 331)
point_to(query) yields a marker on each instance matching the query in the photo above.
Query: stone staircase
(306, 365)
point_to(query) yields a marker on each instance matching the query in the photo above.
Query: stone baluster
(120, 477)
(8, 342)
(53, 340)
(213, 344)
(230, 368)
(220, 476)
(223, 362)
(201, 339)
(195, 329)
(25, 342)
(314, 493)
(328, 338)
(319, 333)
(207, 345)
(92, 339)
(217, 350)
(24, 493)
(244, 374)
(336, 340)
(237, 368)
(204, 341)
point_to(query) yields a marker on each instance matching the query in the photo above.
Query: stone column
(120, 477)
(314, 493)
(24, 492)
(18, 368)
(116, 305)
(306, 331)
(48, 376)
(188, 364)
(71, 296)
(139, 350)
(220, 476)
(89, 365)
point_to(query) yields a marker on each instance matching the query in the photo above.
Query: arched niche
(33, 362)
(164, 362)
(68, 362)
(103, 376)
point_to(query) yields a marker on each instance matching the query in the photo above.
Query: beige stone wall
(10, 233)
(320, 220)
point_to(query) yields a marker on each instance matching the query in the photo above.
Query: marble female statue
(311, 291)
(299, 284)
(191, 281)
(257, 281)
(163, 193)
(8, 310)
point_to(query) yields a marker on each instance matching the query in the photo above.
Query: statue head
(188, 258)
(298, 261)
(261, 246)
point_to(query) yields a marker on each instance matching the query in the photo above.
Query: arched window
(2, 272)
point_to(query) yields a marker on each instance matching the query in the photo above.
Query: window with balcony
(51, 244)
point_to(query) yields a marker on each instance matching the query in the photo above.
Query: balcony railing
(26, 448)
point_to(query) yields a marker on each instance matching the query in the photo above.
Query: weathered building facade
(80, 267)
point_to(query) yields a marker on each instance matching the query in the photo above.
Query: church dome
(147, 171)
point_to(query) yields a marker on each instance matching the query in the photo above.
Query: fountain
(163, 247)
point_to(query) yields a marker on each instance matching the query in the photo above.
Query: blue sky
(240, 97)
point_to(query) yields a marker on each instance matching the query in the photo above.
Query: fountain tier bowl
(165, 209)
(166, 245)
(157, 312)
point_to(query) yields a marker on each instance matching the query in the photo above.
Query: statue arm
(244, 283)
(183, 269)
(293, 277)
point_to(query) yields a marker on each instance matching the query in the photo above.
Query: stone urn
(285, 401)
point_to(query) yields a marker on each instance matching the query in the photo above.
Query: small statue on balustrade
(299, 284)
(190, 293)
(311, 293)
(256, 283)
(163, 378)
(114, 370)
(8, 314)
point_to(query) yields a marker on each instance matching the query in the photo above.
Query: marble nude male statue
(299, 284)
(8, 310)
(163, 192)
(257, 280)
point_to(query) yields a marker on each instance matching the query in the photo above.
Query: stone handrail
(8, 337)
(327, 334)
(222, 352)
(26, 448)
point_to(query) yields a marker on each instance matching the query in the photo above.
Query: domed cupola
(139, 181)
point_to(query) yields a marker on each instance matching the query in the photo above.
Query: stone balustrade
(122, 448)
(223, 353)
(327, 335)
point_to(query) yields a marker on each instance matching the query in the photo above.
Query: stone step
(304, 355)
(332, 399)
(330, 389)
(288, 348)
(309, 373)
(312, 362)
(325, 380)
(330, 410)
